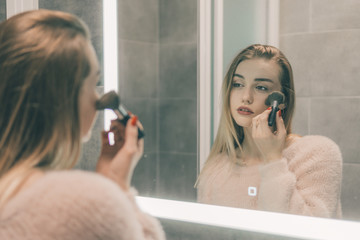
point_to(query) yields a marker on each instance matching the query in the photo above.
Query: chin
(244, 123)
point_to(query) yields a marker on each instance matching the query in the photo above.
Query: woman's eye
(236, 85)
(262, 88)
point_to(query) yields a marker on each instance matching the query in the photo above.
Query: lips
(244, 111)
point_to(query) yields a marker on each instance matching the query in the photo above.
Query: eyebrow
(256, 79)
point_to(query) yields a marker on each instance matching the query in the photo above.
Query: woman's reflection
(254, 166)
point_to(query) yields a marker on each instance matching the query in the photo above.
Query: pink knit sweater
(305, 181)
(77, 205)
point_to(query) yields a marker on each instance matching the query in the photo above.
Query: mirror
(307, 110)
(317, 38)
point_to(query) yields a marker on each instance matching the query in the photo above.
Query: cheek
(87, 110)
(233, 99)
(261, 101)
(232, 103)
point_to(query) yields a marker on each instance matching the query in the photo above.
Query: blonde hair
(43, 62)
(230, 136)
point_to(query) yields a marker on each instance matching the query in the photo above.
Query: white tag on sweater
(252, 191)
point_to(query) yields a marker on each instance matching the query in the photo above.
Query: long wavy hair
(43, 64)
(230, 136)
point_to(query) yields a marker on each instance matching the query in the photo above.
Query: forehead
(259, 68)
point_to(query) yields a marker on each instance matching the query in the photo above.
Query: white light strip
(204, 83)
(110, 53)
(218, 60)
(273, 32)
(17, 6)
(250, 220)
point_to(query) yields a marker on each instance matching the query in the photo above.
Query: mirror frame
(302, 227)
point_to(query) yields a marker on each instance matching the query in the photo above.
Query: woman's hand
(118, 160)
(271, 144)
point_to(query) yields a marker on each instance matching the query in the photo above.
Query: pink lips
(244, 111)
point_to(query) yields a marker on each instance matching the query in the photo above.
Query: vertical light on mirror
(110, 42)
(273, 23)
(204, 82)
(218, 61)
(16, 6)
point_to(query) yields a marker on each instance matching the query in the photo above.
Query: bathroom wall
(138, 22)
(2, 10)
(178, 98)
(158, 82)
(90, 11)
(321, 39)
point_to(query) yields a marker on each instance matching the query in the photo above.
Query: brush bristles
(275, 96)
(109, 100)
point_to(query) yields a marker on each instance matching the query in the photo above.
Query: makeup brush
(111, 100)
(274, 100)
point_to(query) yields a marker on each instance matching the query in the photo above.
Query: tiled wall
(321, 39)
(177, 99)
(157, 81)
(2, 10)
(90, 11)
(138, 28)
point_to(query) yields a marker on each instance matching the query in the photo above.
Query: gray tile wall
(138, 24)
(2, 10)
(157, 81)
(320, 39)
(90, 11)
(177, 99)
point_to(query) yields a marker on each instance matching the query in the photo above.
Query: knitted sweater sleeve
(305, 181)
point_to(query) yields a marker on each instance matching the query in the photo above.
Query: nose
(248, 96)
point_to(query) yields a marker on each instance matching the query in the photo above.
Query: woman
(254, 166)
(48, 76)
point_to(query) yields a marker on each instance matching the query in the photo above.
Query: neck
(250, 149)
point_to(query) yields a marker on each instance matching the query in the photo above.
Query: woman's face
(88, 96)
(252, 83)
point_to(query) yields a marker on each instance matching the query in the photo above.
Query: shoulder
(214, 164)
(314, 147)
(217, 160)
(315, 142)
(73, 202)
(74, 190)
(77, 184)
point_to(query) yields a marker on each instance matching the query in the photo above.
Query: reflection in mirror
(258, 165)
(318, 39)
